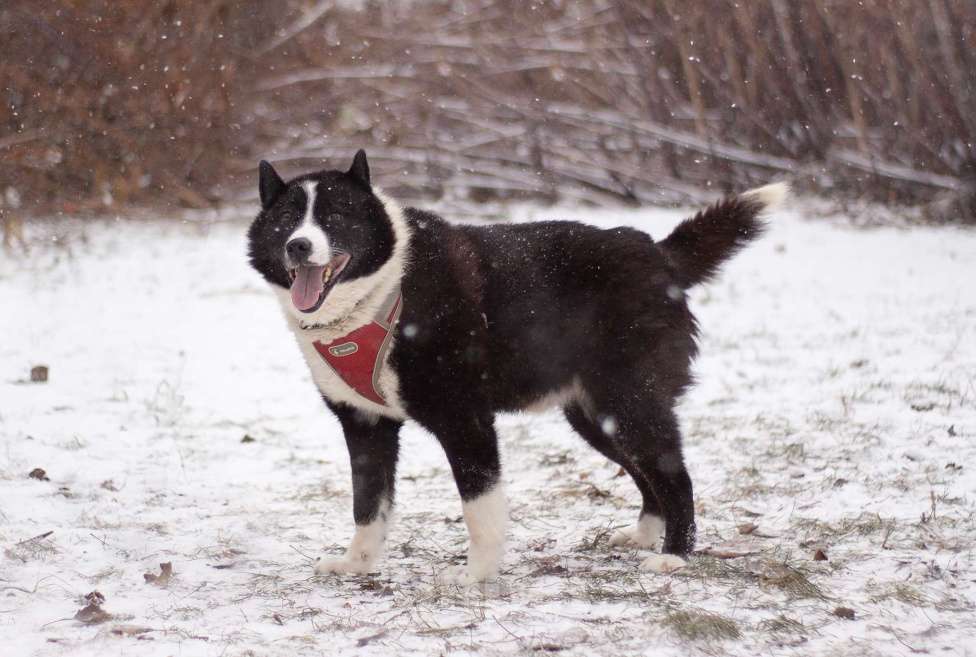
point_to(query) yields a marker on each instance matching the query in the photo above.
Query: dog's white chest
(349, 358)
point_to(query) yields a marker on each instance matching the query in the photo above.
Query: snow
(836, 410)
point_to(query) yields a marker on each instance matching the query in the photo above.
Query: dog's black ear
(270, 184)
(360, 167)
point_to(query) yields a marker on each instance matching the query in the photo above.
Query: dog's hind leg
(373, 450)
(652, 435)
(472, 451)
(645, 432)
(599, 433)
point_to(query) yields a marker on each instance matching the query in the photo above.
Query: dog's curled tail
(699, 246)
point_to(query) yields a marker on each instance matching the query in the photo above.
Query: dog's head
(324, 239)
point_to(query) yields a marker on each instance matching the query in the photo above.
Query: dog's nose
(299, 249)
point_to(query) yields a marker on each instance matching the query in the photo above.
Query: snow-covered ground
(836, 411)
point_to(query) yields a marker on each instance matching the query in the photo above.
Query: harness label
(344, 349)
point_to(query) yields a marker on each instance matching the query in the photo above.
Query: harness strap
(358, 357)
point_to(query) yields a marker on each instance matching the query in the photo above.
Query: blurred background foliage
(630, 101)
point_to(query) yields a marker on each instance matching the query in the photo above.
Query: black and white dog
(400, 314)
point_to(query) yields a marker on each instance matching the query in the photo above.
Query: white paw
(486, 517)
(464, 576)
(663, 563)
(632, 537)
(645, 534)
(343, 566)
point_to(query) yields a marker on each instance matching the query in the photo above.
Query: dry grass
(796, 583)
(904, 593)
(864, 524)
(782, 626)
(699, 625)
(37, 548)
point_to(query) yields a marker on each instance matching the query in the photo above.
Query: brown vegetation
(117, 102)
(628, 101)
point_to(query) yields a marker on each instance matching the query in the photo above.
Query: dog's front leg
(373, 448)
(472, 450)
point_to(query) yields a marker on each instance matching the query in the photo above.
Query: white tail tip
(771, 196)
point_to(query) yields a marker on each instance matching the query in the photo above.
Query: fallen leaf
(844, 612)
(371, 585)
(375, 585)
(550, 569)
(92, 613)
(248, 439)
(39, 374)
(162, 579)
(595, 493)
(39, 474)
(747, 528)
(819, 555)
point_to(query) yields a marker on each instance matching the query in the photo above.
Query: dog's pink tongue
(307, 287)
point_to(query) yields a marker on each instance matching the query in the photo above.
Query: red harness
(358, 356)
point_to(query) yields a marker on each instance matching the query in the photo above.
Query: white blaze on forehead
(321, 250)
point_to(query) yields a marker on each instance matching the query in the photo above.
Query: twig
(519, 639)
(35, 538)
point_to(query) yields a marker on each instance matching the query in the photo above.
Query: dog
(401, 315)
